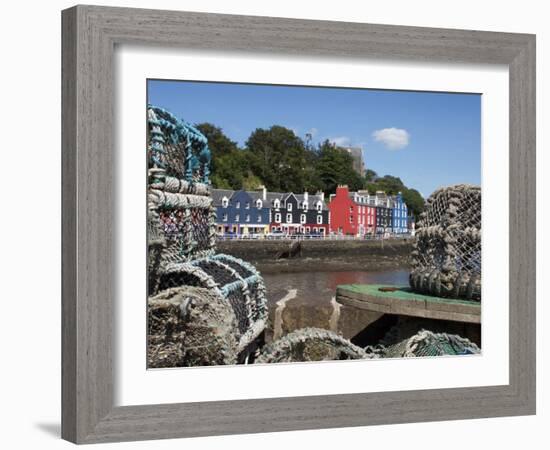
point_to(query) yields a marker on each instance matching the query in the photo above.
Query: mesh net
(446, 260)
(427, 343)
(310, 344)
(181, 233)
(187, 232)
(177, 147)
(190, 326)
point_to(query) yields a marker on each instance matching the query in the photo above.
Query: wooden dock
(402, 301)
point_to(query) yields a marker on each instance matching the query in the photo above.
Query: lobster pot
(446, 260)
(183, 230)
(177, 147)
(425, 343)
(310, 344)
(236, 281)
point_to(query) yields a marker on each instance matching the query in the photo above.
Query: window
(247, 205)
(237, 217)
(278, 217)
(259, 218)
(304, 205)
(276, 204)
(319, 219)
(237, 205)
(351, 209)
(224, 218)
(302, 218)
(319, 206)
(350, 219)
(247, 218)
(225, 202)
(259, 203)
(289, 206)
(289, 218)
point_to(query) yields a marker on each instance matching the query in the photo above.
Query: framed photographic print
(278, 224)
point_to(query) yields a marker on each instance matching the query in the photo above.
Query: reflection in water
(320, 287)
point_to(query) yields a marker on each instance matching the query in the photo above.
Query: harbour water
(307, 299)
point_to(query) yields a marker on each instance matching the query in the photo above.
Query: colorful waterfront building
(352, 213)
(399, 214)
(261, 212)
(299, 213)
(241, 212)
(384, 211)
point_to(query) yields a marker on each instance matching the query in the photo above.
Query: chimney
(264, 192)
(306, 196)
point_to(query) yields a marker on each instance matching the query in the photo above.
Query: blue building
(399, 215)
(241, 212)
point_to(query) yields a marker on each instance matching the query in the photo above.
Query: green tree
(278, 157)
(370, 176)
(334, 167)
(415, 202)
(251, 182)
(229, 165)
(218, 142)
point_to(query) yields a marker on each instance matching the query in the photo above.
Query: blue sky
(427, 139)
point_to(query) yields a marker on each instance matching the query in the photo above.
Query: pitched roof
(219, 194)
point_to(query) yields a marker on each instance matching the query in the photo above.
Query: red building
(352, 213)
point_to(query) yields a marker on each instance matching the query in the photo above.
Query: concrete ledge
(407, 303)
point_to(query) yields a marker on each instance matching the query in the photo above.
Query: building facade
(384, 211)
(352, 213)
(399, 214)
(241, 212)
(261, 212)
(299, 213)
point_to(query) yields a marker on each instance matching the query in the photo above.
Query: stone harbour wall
(321, 255)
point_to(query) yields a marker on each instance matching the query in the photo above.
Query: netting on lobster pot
(177, 147)
(446, 260)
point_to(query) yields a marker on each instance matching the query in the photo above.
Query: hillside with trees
(283, 162)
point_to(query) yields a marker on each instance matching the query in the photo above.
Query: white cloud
(392, 138)
(341, 141)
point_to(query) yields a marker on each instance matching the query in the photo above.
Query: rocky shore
(326, 256)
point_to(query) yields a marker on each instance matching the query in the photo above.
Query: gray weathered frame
(90, 34)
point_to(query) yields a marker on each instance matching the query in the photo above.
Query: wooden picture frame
(90, 34)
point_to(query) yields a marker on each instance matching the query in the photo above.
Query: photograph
(300, 223)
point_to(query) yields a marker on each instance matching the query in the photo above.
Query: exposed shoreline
(322, 256)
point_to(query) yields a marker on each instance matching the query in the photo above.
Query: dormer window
(304, 205)
(258, 203)
(319, 206)
(277, 204)
(225, 202)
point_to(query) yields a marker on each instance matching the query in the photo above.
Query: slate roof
(218, 194)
